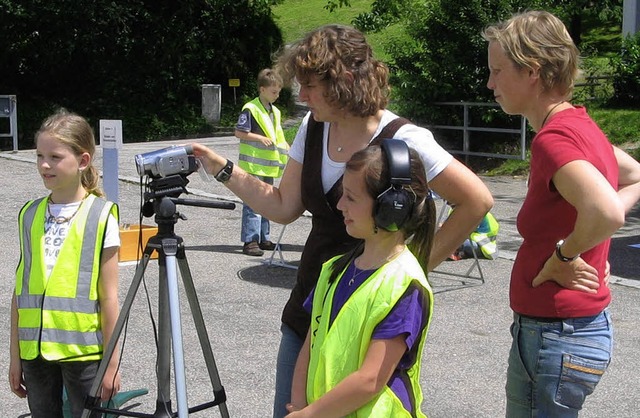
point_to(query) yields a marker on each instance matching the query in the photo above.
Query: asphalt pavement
(242, 297)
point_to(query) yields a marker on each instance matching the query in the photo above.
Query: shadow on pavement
(237, 248)
(624, 258)
(270, 275)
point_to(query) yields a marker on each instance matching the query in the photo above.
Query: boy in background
(263, 154)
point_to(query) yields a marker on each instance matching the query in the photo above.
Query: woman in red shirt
(579, 189)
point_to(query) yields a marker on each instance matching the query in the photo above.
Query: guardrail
(591, 83)
(8, 109)
(466, 129)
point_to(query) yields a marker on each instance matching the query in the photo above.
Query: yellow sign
(234, 82)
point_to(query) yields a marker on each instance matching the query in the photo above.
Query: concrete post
(211, 102)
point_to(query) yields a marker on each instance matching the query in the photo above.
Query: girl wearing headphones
(371, 307)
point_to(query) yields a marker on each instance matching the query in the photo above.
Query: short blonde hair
(330, 53)
(539, 40)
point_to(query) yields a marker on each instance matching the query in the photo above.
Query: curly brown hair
(340, 57)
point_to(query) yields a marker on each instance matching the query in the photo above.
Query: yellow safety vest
(340, 350)
(59, 316)
(255, 157)
(486, 236)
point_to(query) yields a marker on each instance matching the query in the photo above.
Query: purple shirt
(406, 317)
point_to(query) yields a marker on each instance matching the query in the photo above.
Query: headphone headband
(397, 153)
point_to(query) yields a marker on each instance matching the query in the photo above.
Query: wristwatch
(562, 257)
(225, 174)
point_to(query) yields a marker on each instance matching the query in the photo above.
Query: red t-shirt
(545, 217)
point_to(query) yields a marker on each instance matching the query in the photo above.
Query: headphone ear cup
(392, 209)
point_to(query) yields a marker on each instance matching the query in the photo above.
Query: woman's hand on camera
(211, 161)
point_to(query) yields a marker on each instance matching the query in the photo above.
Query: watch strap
(225, 173)
(561, 256)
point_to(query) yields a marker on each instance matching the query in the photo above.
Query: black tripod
(171, 256)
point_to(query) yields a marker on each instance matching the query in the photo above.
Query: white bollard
(111, 142)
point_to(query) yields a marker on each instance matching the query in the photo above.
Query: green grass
(297, 17)
(290, 133)
(620, 125)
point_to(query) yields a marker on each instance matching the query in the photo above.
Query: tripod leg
(203, 336)
(122, 317)
(163, 365)
(170, 246)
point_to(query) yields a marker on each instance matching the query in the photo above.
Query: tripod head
(162, 196)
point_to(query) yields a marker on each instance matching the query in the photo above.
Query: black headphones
(393, 207)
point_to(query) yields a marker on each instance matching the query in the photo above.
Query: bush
(626, 73)
(595, 84)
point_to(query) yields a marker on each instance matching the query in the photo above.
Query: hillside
(297, 17)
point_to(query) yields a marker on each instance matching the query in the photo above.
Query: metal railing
(466, 129)
(8, 109)
(592, 83)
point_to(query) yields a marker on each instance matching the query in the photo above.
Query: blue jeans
(44, 381)
(254, 226)
(554, 366)
(290, 346)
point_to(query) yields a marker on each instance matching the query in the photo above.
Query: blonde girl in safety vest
(371, 307)
(65, 303)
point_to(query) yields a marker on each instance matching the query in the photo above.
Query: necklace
(356, 273)
(63, 219)
(549, 113)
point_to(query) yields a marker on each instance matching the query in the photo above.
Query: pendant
(339, 149)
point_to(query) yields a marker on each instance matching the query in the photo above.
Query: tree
(142, 61)
(442, 56)
(574, 11)
(626, 78)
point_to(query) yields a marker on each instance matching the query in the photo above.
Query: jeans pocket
(578, 379)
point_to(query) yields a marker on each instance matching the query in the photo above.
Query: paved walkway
(242, 299)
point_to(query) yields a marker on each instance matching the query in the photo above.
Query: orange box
(129, 241)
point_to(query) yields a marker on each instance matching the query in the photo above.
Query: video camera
(176, 159)
(167, 170)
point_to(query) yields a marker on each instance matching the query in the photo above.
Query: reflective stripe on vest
(57, 317)
(257, 158)
(485, 236)
(338, 351)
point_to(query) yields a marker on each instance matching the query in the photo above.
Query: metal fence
(467, 129)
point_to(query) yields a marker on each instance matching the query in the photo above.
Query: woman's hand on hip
(576, 274)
